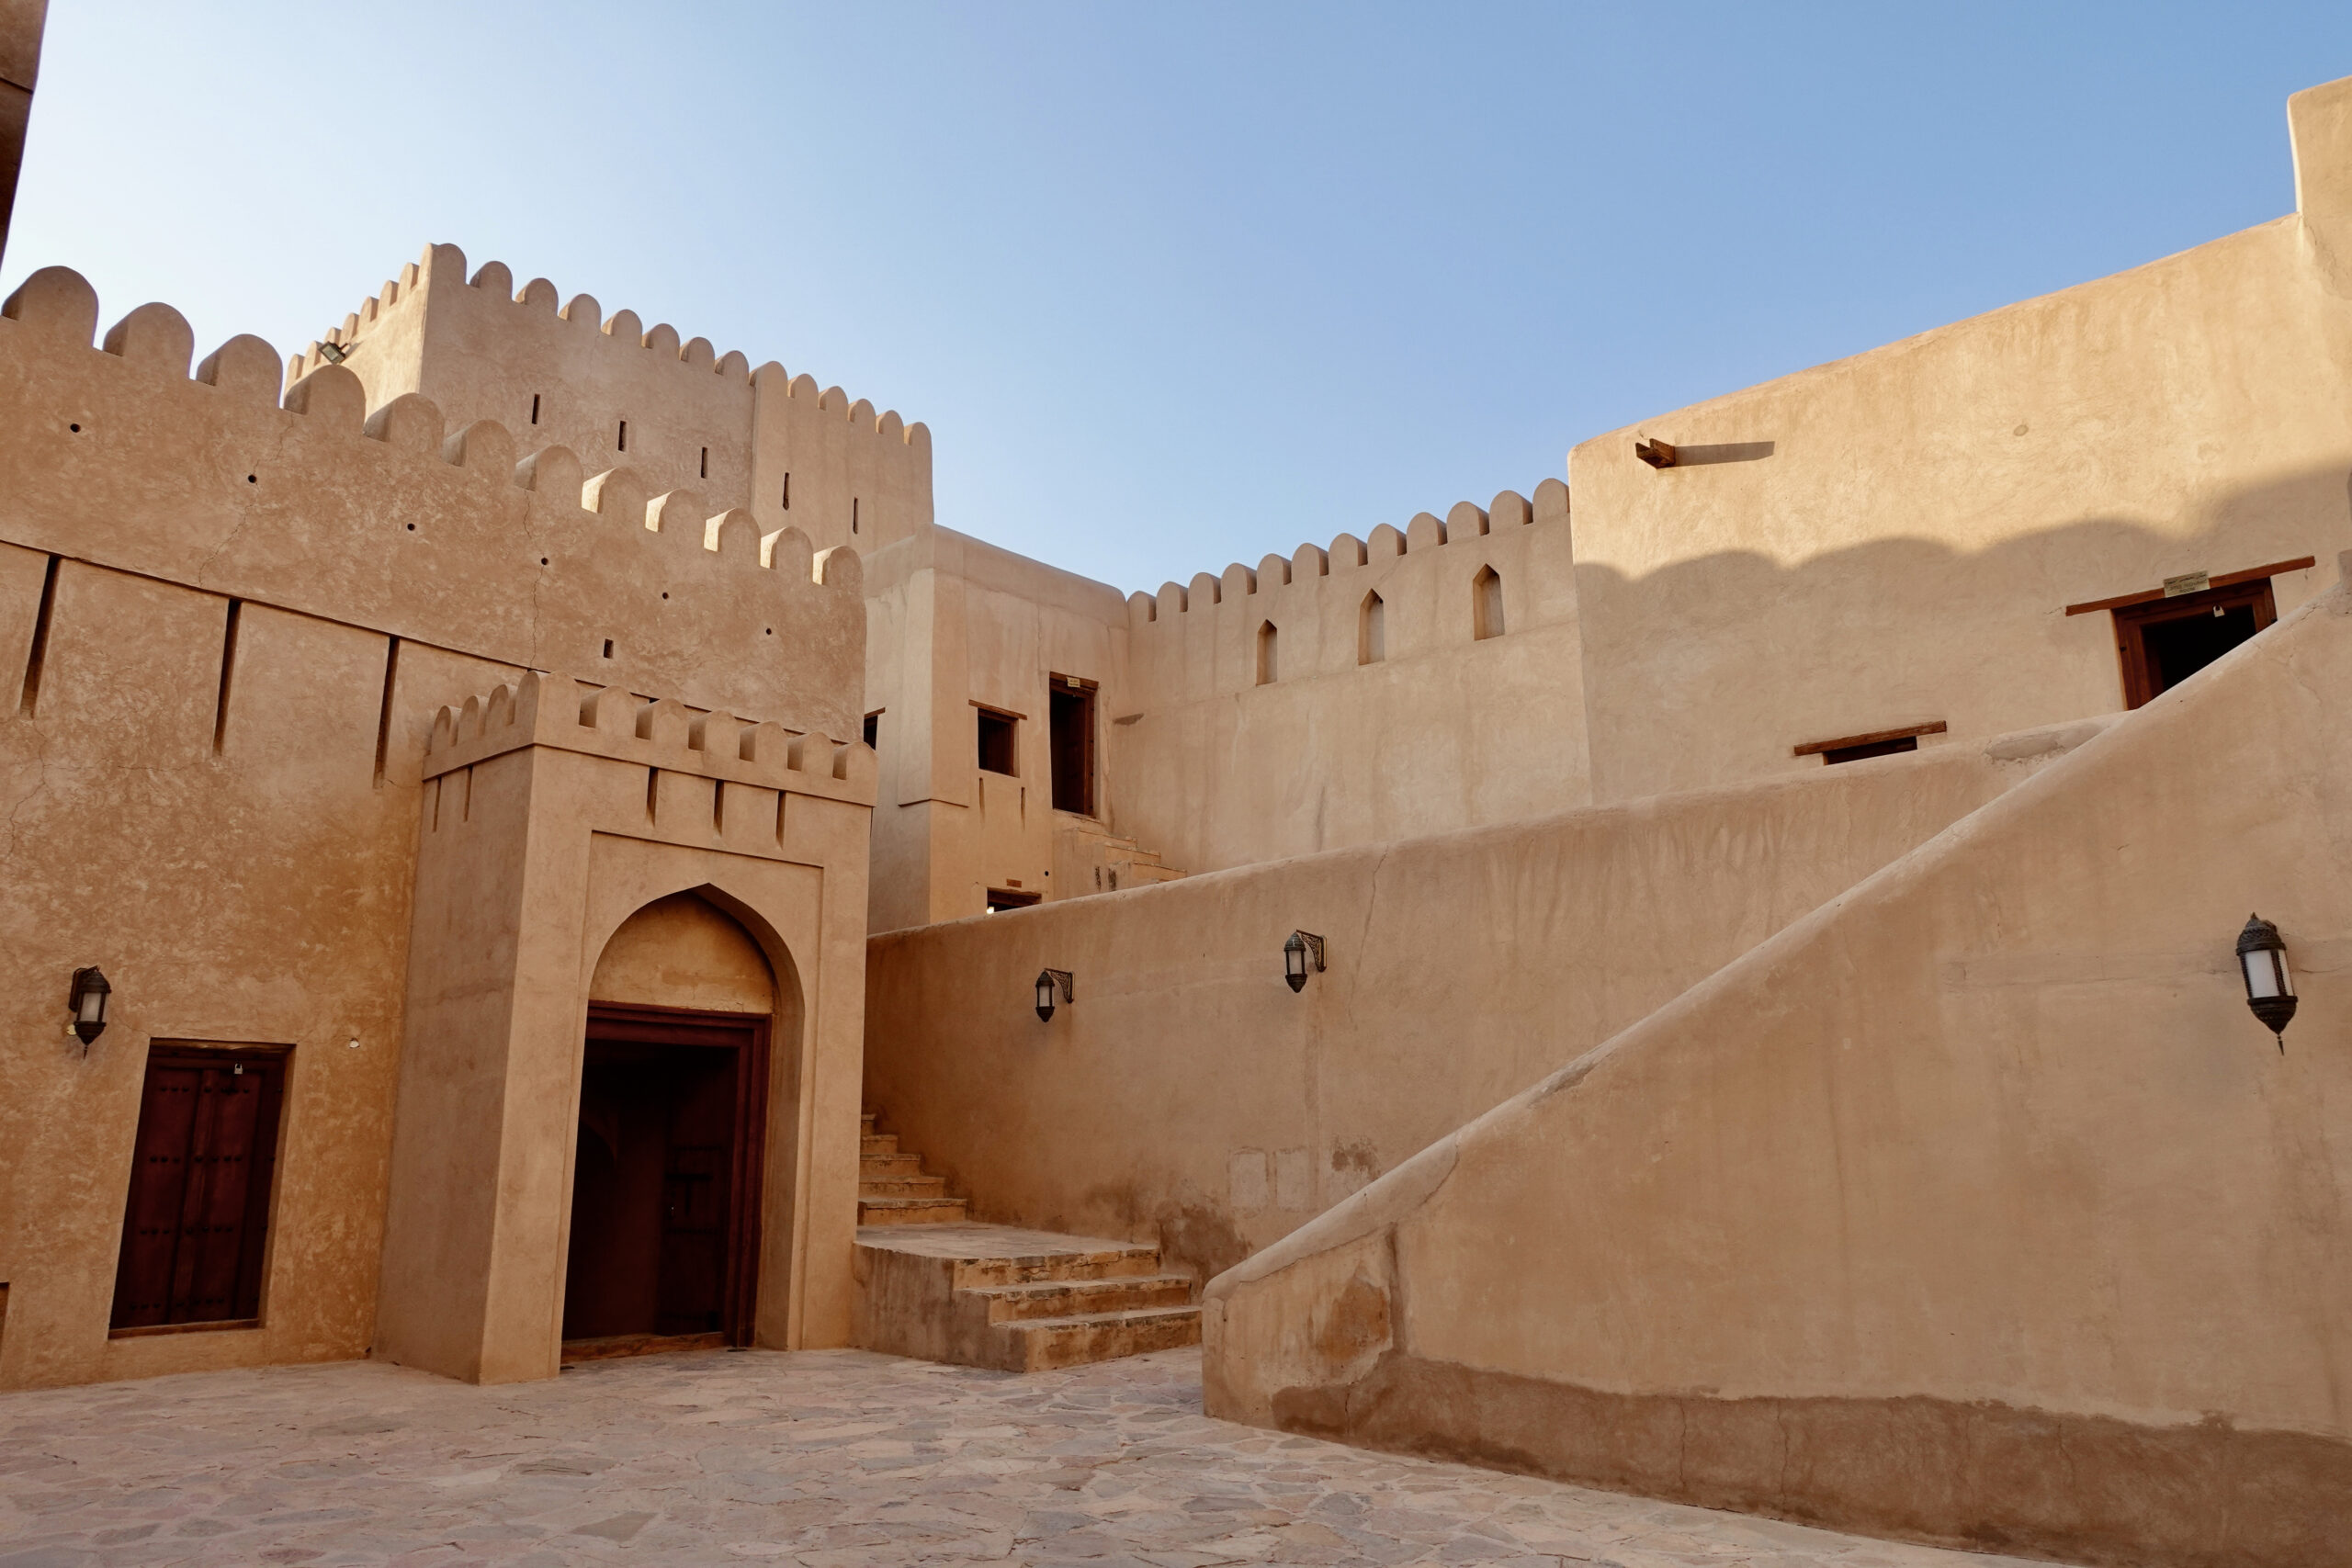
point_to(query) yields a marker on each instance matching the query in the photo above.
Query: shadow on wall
(1710, 671)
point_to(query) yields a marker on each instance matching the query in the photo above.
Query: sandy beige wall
(698, 420)
(954, 622)
(1927, 511)
(237, 854)
(1218, 765)
(1187, 1094)
(1975, 1207)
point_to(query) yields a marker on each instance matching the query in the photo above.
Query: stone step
(908, 1186)
(1046, 1343)
(878, 1143)
(866, 1122)
(872, 1166)
(1083, 1298)
(910, 1210)
(1020, 1301)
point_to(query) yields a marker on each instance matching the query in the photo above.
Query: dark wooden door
(197, 1224)
(665, 1205)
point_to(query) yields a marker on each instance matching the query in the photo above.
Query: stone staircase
(892, 1189)
(933, 1284)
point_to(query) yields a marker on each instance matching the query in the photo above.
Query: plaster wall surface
(552, 819)
(1187, 1097)
(955, 625)
(619, 394)
(1358, 694)
(1893, 539)
(225, 629)
(1971, 1207)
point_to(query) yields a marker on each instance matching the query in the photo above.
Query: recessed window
(621, 442)
(997, 754)
(535, 408)
(788, 493)
(608, 647)
(873, 731)
(1486, 604)
(1267, 642)
(706, 462)
(853, 514)
(1371, 631)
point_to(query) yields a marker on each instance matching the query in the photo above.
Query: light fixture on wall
(89, 1004)
(1049, 982)
(2270, 989)
(1302, 953)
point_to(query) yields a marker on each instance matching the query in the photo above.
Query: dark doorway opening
(2165, 641)
(1071, 717)
(196, 1230)
(1002, 898)
(665, 1187)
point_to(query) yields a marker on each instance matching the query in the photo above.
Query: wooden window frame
(2133, 619)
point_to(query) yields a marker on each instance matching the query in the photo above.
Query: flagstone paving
(817, 1458)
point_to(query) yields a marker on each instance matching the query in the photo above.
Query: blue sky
(1174, 287)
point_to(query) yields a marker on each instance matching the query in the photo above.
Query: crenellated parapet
(774, 442)
(394, 520)
(553, 709)
(1358, 602)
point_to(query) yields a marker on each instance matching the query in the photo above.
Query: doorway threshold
(617, 1344)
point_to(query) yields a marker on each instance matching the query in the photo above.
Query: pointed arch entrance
(664, 1227)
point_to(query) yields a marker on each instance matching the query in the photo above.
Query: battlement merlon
(1423, 534)
(766, 440)
(384, 521)
(553, 709)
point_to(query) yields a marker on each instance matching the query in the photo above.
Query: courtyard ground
(816, 1458)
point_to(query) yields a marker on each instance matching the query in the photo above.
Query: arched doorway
(664, 1236)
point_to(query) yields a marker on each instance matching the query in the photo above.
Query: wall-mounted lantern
(89, 1004)
(1302, 954)
(1049, 982)
(2270, 989)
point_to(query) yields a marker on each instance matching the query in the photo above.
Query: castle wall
(956, 624)
(1438, 730)
(1972, 1208)
(1187, 1096)
(766, 441)
(225, 822)
(1906, 552)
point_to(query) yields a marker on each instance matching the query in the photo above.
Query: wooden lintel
(2227, 580)
(1814, 748)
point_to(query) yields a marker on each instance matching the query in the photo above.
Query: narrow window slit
(853, 514)
(39, 652)
(653, 790)
(718, 805)
(788, 493)
(622, 443)
(227, 672)
(384, 712)
(535, 408)
(706, 462)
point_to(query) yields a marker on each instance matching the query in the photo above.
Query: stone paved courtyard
(818, 1458)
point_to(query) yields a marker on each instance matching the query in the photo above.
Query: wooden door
(702, 1078)
(196, 1227)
